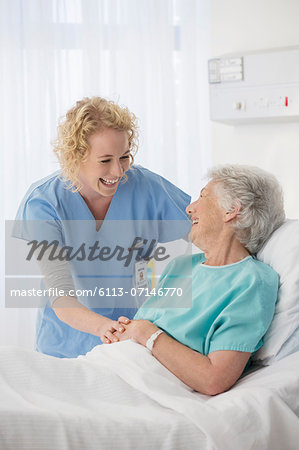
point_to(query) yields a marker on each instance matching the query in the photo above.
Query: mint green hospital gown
(221, 307)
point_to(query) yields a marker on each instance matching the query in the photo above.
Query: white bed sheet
(120, 397)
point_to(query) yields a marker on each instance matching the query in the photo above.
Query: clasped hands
(124, 328)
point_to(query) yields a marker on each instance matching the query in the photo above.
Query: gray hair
(258, 195)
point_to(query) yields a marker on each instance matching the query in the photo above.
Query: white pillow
(281, 252)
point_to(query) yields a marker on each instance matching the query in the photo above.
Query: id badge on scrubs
(141, 275)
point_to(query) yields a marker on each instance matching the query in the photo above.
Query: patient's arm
(209, 375)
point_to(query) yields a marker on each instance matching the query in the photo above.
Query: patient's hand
(139, 330)
(108, 335)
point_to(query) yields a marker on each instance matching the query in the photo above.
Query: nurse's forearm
(68, 309)
(57, 276)
(77, 316)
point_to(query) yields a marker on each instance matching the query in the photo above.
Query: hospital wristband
(150, 342)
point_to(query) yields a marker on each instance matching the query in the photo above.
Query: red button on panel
(286, 101)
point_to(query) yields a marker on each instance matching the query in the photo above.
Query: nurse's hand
(139, 330)
(107, 335)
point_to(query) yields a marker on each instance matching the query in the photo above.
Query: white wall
(249, 25)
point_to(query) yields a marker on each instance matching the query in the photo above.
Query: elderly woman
(208, 344)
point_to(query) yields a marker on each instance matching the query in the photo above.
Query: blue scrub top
(140, 207)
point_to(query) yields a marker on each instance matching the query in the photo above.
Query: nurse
(106, 215)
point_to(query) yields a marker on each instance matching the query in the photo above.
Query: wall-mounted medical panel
(255, 87)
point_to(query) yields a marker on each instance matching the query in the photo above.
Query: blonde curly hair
(87, 117)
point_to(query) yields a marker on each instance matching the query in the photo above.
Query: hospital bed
(121, 397)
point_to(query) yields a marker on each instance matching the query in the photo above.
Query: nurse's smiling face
(108, 160)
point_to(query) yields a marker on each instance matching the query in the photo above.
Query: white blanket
(120, 397)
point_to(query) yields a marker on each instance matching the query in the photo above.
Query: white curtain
(150, 55)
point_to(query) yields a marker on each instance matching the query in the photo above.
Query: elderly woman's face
(207, 217)
(108, 160)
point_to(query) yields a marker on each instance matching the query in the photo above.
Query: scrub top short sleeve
(38, 222)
